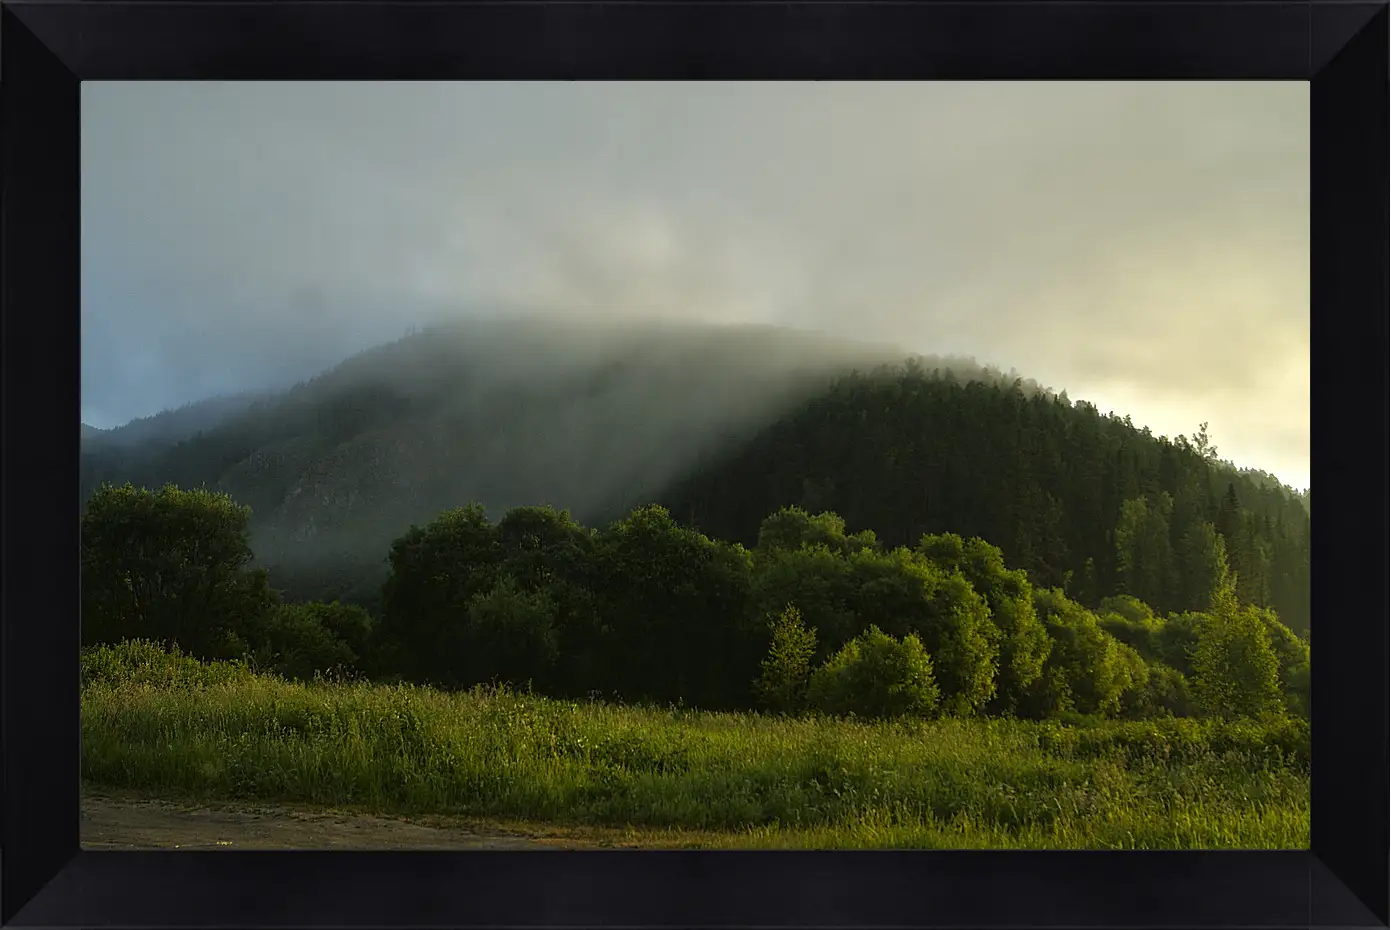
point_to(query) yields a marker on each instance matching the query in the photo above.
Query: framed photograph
(700, 465)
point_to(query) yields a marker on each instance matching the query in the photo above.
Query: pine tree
(1203, 567)
(1229, 516)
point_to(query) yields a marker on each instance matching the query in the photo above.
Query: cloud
(1139, 240)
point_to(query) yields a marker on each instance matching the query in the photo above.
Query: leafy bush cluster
(875, 675)
(646, 610)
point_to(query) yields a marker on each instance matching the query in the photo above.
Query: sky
(1143, 246)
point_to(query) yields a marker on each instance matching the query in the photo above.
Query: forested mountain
(725, 425)
(1082, 501)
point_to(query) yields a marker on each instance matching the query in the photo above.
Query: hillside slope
(169, 426)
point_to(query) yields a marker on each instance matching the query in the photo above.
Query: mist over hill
(591, 417)
(723, 424)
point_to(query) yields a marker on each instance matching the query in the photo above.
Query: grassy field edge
(177, 728)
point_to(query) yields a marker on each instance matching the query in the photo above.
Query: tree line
(812, 616)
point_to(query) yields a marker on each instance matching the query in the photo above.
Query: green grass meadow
(167, 726)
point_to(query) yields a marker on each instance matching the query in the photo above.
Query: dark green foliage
(1145, 563)
(299, 641)
(1203, 568)
(1177, 638)
(1293, 655)
(509, 637)
(546, 550)
(169, 566)
(346, 462)
(815, 580)
(347, 622)
(1128, 608)
(1132, 674)
(542, 545)
(1165, 693)
(355, 580)
(1131, 621)
(1296, 684)
(1141, 637)
(436, 571)
(875, 675)
(676, 609)
(782, 686)
(338, 467)
(901, 592)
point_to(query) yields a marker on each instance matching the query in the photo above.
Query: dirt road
(110, 822)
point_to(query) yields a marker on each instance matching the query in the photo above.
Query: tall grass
(173, 726)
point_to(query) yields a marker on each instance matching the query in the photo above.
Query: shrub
(1166, 692)
(1177, 638)
(1132, 674)
(510, 636)
(875, 675)
(349, 622)
(1141, 636)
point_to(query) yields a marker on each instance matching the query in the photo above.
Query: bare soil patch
(111, 821)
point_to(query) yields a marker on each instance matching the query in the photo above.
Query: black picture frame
(47, 48)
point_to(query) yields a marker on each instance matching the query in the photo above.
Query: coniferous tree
(1203, 566)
